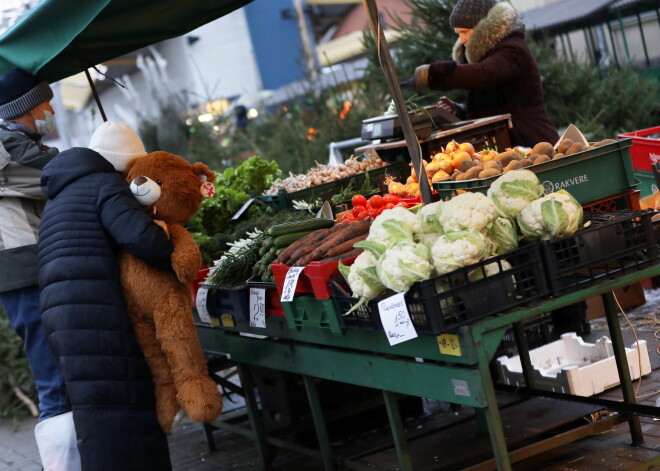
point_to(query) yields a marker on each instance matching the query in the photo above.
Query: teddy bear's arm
(186, 258)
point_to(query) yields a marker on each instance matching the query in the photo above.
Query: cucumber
(299, 226)
(285, 240)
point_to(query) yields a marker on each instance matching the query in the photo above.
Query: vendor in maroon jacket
(494, 65)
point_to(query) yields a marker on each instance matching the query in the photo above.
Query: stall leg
(622, 365)
(491, 412)
(398, 434)
(256, 425)
(523, 354)
(319, 422)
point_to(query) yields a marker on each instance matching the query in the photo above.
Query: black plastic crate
(365, 317)
(612, 245)
(457, 298)
(538, 331)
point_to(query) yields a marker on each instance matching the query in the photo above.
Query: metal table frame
(367, 359)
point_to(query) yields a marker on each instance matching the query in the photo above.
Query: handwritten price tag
(200, 303)
(257, 307)
(396, 319)
(290, 283)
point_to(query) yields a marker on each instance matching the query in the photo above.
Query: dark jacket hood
(502, 21)
(69, 166)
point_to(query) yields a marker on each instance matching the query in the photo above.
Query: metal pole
(387, 65)
(96, 95)
(641, 32)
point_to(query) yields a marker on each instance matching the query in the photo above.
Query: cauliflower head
(504, 234)
(556, 214)
(362, 277)
(513, 191)
(403, 264)
(457, 249)
(394, 225)
(467, 211)
(429, 218)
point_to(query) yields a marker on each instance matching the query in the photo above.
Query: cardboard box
(629, 297)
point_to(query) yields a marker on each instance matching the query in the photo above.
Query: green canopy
(59, 38)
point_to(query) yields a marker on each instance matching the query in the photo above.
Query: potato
(558, 156)
(513, 165)
(603, 142)
(541, 158)
(466, 165)
(493, 164)
(575, 148)
(543, 148)
(474, 172)
(460, 176)
(505, 157)
(564, 145)
(489, 172)
(526, 162)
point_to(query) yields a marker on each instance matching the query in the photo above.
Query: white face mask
(45, 126)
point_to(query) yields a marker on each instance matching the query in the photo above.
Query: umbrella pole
(387, 65)
(96, 95)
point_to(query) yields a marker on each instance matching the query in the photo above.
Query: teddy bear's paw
(184, 270)
(201, 399)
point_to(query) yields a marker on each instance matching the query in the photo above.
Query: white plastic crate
(570, 365)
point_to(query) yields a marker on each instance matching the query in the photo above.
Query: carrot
(343, 256)
(348, 233)
(309, 238)
(311, 244)
(346, 246)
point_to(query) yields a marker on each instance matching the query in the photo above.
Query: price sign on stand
(200, 303)
(290, 283)
(396, 319)
(257, 307)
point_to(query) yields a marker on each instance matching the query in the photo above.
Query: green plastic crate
(647, 184)
(306, 311)
(589, 175)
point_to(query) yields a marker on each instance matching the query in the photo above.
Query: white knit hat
(118, 143)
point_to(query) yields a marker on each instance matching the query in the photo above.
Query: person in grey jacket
(26, 116)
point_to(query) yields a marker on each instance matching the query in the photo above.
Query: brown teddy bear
(158, 302)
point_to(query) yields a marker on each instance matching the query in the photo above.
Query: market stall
(424, 312)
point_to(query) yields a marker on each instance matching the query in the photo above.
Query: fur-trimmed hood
(501, 21)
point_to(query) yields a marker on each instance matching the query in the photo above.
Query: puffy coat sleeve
(130, 226)
(21, 161)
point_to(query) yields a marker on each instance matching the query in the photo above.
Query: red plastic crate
(313, 280)
(645, 150)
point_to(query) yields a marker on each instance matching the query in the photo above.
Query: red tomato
(359, 200)
(373, 212)
(389, 198)
(388, 206)
(357, 210)
(363, 215)
(348, 218)
(402, 204)
(376, 201)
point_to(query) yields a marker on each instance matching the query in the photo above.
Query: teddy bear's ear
(205, 174)
(129, 165)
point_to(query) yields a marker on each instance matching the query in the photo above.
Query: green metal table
(452, 367)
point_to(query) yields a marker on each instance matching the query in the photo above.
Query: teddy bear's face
(178, 182)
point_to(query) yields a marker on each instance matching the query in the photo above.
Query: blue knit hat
(21, 92)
